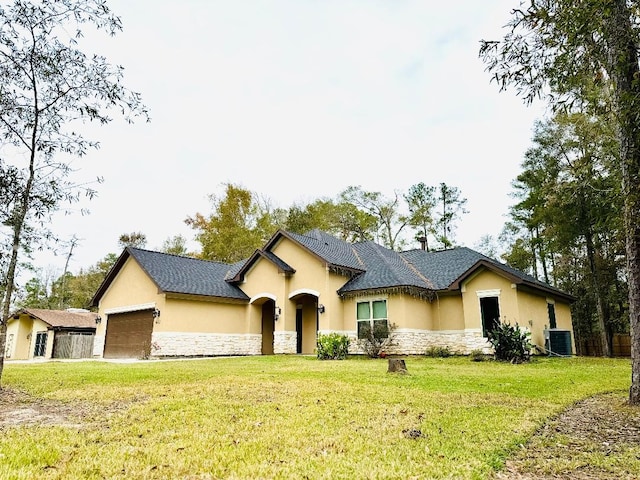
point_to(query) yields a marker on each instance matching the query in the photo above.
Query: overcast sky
(296, 100)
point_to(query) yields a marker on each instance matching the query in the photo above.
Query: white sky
(296, 100)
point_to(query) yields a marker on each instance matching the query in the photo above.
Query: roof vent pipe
(423, 242)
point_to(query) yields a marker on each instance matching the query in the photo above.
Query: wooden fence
(592, 347)
(73, 346)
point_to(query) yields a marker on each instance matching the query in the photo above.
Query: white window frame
(371, 318)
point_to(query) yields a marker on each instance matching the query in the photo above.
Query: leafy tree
(49, 88)
(80, 288)
(568, 197)
(421, 202)
(488, 245)
(176, 245)
(386, 211)
(133, 239)
(519, 252)
(450, 208)
(36, 296)
(319, 214)
(68, 290)
(339, 218)
(235, 228)
(561, 49)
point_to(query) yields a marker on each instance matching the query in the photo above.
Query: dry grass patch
(596, 438)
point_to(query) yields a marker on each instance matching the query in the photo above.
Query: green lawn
(291, 417)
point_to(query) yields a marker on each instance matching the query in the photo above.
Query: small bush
(510, 343)
(477, 355)
(438, 351)
(332, 346)
(377, 340)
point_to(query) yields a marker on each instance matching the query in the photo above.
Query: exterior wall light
(321, 308)
(156, 315)
(98, 320)
(276, 313)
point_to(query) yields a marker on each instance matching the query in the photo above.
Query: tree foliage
(570, 208)
(241, 221)
(421, 203)
(450, 208)
(237, 226)
(337, 217)
(176, 245)
(133, 239)
(49, 88)
(583, 56)
(69, 290)
(385, 211)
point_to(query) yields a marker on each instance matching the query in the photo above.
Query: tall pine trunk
(625, 74)
(597, 290)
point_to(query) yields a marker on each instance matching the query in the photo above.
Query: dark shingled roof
(368, 266)
(384, 269)
(445, 267)
(186, 275)
(333, 250)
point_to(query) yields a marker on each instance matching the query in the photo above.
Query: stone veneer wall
(416, 342)
(285, 342)
(408, 342)
(177, 344)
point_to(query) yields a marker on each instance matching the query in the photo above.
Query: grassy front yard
(289, 417)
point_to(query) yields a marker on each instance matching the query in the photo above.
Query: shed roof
(62, 318)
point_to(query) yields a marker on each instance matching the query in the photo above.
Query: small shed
(42, 333)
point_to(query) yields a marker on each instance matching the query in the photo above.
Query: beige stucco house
(42, 333)
(297, 286)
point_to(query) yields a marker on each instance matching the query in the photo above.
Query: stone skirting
(417, 342)
(407, 342)
(285, 342)
(177, 344)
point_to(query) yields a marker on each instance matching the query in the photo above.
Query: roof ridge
(415, 270)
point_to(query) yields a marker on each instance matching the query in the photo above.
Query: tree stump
(397, 365)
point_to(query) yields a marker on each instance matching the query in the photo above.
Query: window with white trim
(372, 317)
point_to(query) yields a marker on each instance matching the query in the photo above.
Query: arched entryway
(306, 303)
(264, 304)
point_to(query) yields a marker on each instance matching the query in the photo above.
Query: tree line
(241, 221)
(582, 59)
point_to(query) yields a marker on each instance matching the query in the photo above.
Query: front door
(299, 330)
(268, 324)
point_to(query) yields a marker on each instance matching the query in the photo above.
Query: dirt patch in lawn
(596, 438)
(19, 408)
